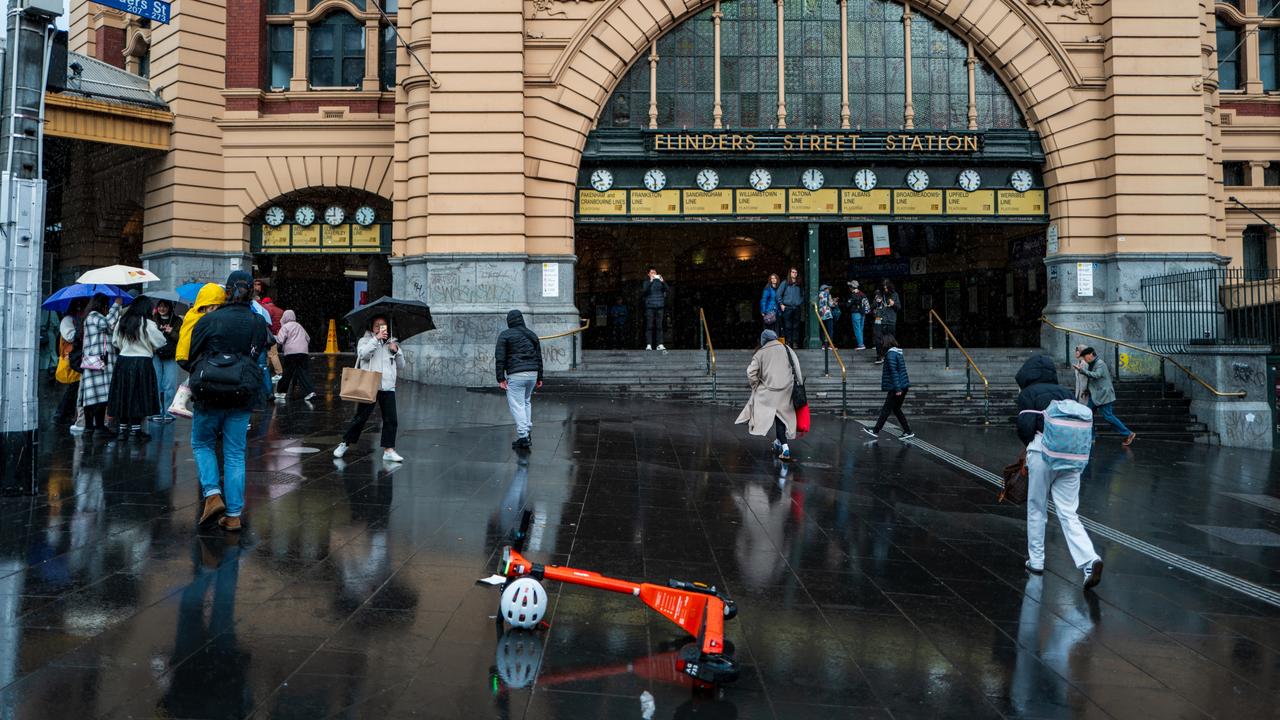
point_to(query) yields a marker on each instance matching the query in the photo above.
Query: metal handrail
(573, 344)
(710, 350)
(948, 338)
(1164, 358)
(826, 366)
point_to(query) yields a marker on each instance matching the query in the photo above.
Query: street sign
(155, 10)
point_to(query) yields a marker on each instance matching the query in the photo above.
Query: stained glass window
(811, 31)
(939, 76)
(877, 68)
(686, 74)
(749, 63)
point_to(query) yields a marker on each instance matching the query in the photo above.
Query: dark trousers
(387, 403)
(793, 326)
(95, 417)
(67, 406)
(893, 404)
(882, 329)
(780, 429)
(617, 332)
(653, 318)
(297, 368)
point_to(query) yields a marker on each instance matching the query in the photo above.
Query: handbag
(64, 374)
(802, 420)
(770, 317)
(1015, 481)
(359, 385)
(799, 398)
(95, 362)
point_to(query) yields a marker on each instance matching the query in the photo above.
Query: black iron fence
(1222, 306)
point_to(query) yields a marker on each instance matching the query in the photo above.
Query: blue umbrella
(188, 292)
(61, 300)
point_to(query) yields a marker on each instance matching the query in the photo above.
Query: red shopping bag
(802, 420)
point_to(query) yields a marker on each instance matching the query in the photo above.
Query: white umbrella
(118, 275)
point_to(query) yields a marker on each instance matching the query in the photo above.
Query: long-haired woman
(97, 363)
(134, 394)
(769, 303)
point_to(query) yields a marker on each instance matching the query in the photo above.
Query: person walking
(164, 362)
(377, 351)
(209, 298)
(517, 360)
(859, 309)
(773, 372)
(654, 293)
(791, 303)
(295, 346)
(886, 308)
(895, 383)
(276, 314)
(69, 335)
(97, 363)
(135, 392)
(1101, 391)
(827, 309)
(231, 332)
(769, 310)
(1038, 380)
(618, 316)
(1082, 380)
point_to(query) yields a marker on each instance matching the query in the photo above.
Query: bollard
(331, 344)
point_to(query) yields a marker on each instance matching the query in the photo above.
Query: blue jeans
(167, 382)
(233, 425)
(520, 400)
(856, 319)
(1109, 415)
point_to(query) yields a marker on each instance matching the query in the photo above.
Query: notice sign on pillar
(1084, 279)
(880, 239)
(856, 248)
(550, 280)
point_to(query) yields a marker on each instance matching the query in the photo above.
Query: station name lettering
(814, 142)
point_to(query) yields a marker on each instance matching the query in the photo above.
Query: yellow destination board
(978, 202)
(663, 202)
(815, 202)
(906, 202)
(366, 237)
(275, 237)
(716, 202)
(767, 202)
(857, 202)
(612, 202)
(308, 237)
(1013, 202)
(335, 238)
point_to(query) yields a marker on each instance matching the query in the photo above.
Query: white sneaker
(907, 436)
(648, 347)
(662, 348)
(340, 450)
(77, 429)
(281, 396)
(391, 456)
(871, 432)
(310, 397)
(276, 378)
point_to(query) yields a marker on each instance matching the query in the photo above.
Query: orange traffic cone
(331, 345)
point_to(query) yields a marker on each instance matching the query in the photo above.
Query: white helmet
(524, 603)
(519, 655)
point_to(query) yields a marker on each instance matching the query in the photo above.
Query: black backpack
(226, 380)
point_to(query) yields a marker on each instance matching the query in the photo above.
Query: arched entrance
(854, 141)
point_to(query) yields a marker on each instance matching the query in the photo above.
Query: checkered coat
(95, 385)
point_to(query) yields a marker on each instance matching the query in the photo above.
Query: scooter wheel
(716, 669)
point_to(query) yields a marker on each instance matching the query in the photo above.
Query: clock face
(365, 215)
(760, 179)
(275, 216)
(812, 179)
(601, 180)
(1021, 181)
(865, 179)
(970, 180)
(655, 180)
(304, 215)
(918, 180)
(708, 179)
(334, 215)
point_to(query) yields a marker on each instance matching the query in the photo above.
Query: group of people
(782, 310)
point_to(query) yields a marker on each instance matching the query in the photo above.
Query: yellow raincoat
(210, 296)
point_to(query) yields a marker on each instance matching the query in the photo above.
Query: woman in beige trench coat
(771, 382)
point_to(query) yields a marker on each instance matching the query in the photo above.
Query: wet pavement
(872, 580)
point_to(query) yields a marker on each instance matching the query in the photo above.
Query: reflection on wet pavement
(871, 581)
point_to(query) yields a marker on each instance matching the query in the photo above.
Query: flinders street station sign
(906, 143)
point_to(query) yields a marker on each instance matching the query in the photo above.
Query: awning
(80, 118)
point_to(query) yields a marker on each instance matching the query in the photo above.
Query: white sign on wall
(1084, 279)
(550, 280)
(1051, 240)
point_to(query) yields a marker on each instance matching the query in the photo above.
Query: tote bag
(360, 385)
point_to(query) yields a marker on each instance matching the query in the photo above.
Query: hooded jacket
(517, 350)
(1038, 379)
(769, 300)
(276, 314)
(293, 338)
(233, 328)
(893, 378)
(210, 296)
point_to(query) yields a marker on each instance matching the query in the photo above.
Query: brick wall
(246, 44)
(109, 45)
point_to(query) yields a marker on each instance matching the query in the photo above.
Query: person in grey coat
(1101, 393)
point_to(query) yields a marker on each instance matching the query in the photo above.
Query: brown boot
(213, 507)
(230, 524)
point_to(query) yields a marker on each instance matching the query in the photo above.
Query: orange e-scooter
(697, 608)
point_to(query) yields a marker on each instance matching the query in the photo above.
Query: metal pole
(986, 406)
(968, 384)
(930, 331)
(946, 352)
(573, 351)
(844, 396)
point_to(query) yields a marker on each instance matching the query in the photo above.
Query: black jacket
(654, 293)
(1038, 379)
(518, 349)
(231, 328)
(170, 348)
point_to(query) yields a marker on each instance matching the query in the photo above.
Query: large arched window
(876, 66)
(337, 51)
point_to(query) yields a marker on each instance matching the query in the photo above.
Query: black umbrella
(406, 317)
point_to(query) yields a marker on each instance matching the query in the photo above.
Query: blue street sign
(155, 10)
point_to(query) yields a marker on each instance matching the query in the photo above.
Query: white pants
(520, 388)
(1065, 486)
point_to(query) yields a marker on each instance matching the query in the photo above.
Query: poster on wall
(1084, 279)
(360, 293)
(880, 239)
(856, 248)
(550, 280)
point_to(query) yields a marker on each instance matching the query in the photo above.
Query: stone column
(844, 64)
(908, 106)
(782, 72)
(717, 112)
